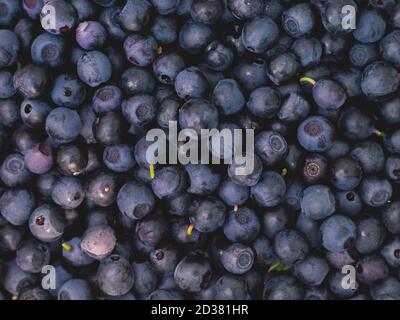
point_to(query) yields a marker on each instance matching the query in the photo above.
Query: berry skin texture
(285, 119)
(94, 68)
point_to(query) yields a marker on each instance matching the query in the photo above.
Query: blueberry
(391, 252)
(233, 194)
(298, 20)
(388, 289)
(338, 233)
(370, 27)
(164, 29)
(264, 251)
(7, 89)
(98, 241)
(251, 74)
(318, 202)
(9, 112)
(207, 214)
(264, 102)
(139, 110)
(102, 189)
(71, 159)
(39, 159)
(315, 168)
(110, 128)
(375, 191)
(202, 179)
(167, 67)
(206, 11)
(75, 289)
(180, 204)
(44, 184)
(270, 190)
(58, 17)
(308, 49)
(73, 254)
(164, 260)
(68, 91)
(349, 202)
(34, 112)
(30, 81)
(315, 134)
(119, 158)
(355, 124)
(161, 294)
(346, 173)
(293, 194)
(212, 76)
(259, 34)
(242, 225)
(109, 17)
(168, 182)
(391, 141)
(329, 94)
(32, 7)
(332, 15)
(9, 48)
(349, 80)
(135, 15)
(370, 155)
(63, 124)
(86, 9)
(310, 229)
(290, 246)
(13, 171)
(243, 10)
(91, 35)
(32, 256)
(46, 223)
(148, 280)
(198, 114)
(218, 56)
(191, 83)
(283, 287)
(94, 68)
(68, 192)
(372, 269)
(16, 205)
(237, 258)
(390, 111)
(194, 36)
(193, 273)
(335, 285)
(34, 294)
(15, 280)
(392, 168)
(317, 293)
(391, 217)
(379, 80)
(312, 270)
(362, 54)
(135, 200)
(165, 6)
(338, 149)
(167, 111)
(9, 10)
(283, 68)
(231, 287)
(395, 17)
(10, 238)
(48, 50)
(370, 235)
(115, 276)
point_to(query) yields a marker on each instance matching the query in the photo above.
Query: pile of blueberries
(82, 215)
